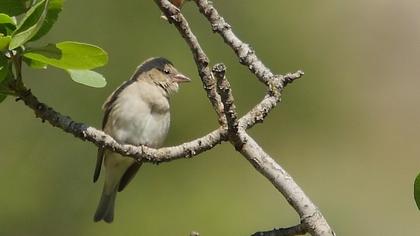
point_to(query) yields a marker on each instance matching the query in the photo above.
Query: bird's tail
(105, 210)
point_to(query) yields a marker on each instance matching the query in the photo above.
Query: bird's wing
(107, 107)
(129, 175)
(99, 159)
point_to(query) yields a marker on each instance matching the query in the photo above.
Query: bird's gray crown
(152, 63)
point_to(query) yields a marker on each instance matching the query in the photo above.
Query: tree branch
(261, 110)
(225, 92)
(223, 88)
(101, 139)
(266, 164)
(244, 52)
(174, 16)
(312, 220)
(311, 217)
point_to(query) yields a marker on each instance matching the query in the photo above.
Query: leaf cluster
(36, 18)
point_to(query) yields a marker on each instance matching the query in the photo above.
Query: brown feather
(129, 175)
(99, 159)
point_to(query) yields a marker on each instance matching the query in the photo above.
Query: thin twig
(225, 92)
(244, 51)
(261, 110)
(174, 16)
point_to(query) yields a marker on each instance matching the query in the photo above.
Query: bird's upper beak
(180, 78)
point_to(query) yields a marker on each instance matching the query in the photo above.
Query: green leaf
(13, 7)
(7, 24)
(69, 55)
(417, 191)
(30, 25)
(5, 19)
(4, 42)
(88, 77)
(34, 64)
(53, 9)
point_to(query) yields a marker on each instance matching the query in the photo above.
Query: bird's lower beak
(180, 78)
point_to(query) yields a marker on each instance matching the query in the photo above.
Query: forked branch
(311, 218)
(220, 95)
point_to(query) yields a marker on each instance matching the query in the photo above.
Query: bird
(136, 113)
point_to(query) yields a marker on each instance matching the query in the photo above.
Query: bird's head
(162, 73)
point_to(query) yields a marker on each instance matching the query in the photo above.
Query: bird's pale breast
(140, 116)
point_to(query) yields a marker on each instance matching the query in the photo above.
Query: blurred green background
(348, 132)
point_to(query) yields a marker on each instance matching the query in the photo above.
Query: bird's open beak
(180, 78)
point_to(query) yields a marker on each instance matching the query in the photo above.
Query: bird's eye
(166, 71)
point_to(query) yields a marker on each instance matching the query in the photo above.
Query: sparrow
(136, 113)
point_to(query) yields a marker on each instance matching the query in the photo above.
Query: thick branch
(264, 163)
(310, 216)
